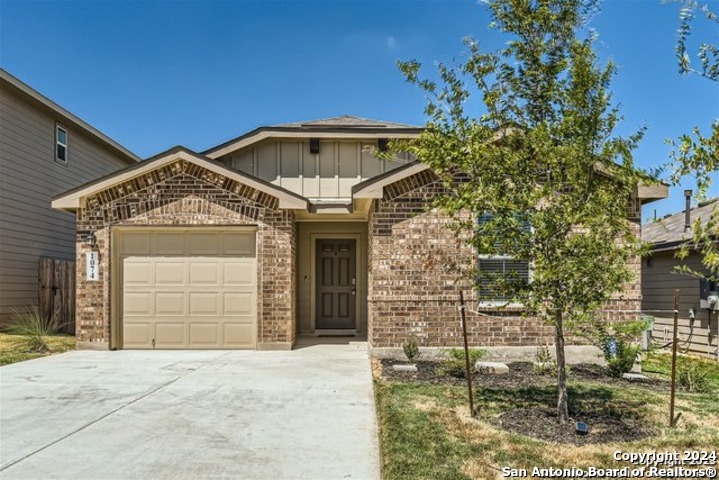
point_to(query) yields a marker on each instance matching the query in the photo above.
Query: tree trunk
(562, 398)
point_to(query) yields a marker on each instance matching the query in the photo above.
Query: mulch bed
(541, 423)
(521, 375)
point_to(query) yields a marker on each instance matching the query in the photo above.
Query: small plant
(411, 350)
(36, 344)
(454, 365)
(30, 321)
(623, 359)
(692, 377)
(544, 363)
(619, 351)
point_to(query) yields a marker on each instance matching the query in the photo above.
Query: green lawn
(426, 431)
(15, 348)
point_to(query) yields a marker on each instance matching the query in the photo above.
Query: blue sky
(153, 74)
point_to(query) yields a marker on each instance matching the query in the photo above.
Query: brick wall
(414, 278)
(182, 193)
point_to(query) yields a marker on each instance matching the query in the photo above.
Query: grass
(426, 431)
(18, 348)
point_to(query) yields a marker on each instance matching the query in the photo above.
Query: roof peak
(345, 121)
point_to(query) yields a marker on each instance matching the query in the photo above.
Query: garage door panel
(239, 273)
(169, 273)
(241, 245)
(138, 334)
(238, 303)
(204, 303)
(135, 244)
(189, 289)
(205, 334)
(238, 335)
(204, 273)
(170, 334)
(203, 243)
(137, 273)
(170, 304)
(168, 243)
(138, 304)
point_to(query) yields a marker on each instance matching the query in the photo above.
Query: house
(698, 317)
(44, 150)
(288, 230)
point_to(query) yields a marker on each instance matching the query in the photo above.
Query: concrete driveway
(308, 413)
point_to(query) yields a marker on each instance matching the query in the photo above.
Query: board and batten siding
(658, 283)
(29, 177)
(330, 174)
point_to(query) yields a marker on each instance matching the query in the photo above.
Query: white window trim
(59, 127)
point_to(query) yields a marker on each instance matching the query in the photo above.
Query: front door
(336, 284)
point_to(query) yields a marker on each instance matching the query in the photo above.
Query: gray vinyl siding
(658, 283)
(29, 177)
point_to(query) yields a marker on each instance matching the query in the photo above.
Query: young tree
(539, 176)
(695, 154)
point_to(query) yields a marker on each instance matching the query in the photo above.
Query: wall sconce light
(90, 240)
(314, 145)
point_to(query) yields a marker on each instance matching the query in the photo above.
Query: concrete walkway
(308, 413)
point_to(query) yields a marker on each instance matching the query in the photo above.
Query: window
(496, 271)
(60, 144)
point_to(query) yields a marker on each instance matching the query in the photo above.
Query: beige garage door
(188, 289)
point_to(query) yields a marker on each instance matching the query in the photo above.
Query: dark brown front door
(336, 284)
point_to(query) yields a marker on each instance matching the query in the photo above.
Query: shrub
(692, 377)
(29, 321)
(411, 350)
(544, 364)
(619, 352)
(623, 360)
(454, 365)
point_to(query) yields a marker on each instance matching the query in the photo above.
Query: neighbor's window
(497, 269)
(60, 144)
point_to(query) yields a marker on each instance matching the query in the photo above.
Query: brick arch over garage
(185, 194)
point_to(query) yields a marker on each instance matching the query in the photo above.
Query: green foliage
(544, 363)
(541, 151)
(411, 350)
(36, 344)
(455, 365)
(696, 155)
(616, 343)
(693, 376)
(707, 53)
(29, 321)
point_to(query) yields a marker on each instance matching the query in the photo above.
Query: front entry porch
(332, 279)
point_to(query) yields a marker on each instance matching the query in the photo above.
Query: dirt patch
(521, 375)
(604, 427)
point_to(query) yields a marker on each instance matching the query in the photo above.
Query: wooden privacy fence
(56, 291)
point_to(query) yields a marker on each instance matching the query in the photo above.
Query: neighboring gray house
(697, 324)
(44, 150)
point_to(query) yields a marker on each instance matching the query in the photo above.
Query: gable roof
(669, 232)
(72, 199)
(374, 187)
(35, 98)
(345, 126)
(346, 121)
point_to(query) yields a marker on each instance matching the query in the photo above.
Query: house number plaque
(93, 266)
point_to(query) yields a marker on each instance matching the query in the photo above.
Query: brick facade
(414, 292)
(184, 194)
